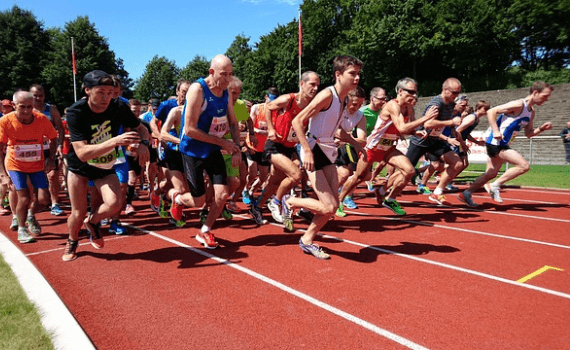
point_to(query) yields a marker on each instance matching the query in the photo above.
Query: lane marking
(79, 245)
(444, 265)
(495, 235)
(358, 321)
(538, 272)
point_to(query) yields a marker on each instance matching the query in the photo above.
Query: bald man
(207, 117)
(436, 143)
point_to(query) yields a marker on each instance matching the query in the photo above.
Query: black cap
(154, 102)
(97, 77)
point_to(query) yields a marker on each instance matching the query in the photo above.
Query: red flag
(300, 37)
(73, 62)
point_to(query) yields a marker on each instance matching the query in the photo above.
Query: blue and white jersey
(508, 125)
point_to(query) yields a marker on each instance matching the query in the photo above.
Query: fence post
(531, 150)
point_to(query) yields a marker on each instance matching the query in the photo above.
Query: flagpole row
(74, 68)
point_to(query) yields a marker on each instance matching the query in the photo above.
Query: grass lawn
(20, 326)
(554, 176)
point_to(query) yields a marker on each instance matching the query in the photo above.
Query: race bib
(262, 125)
(28, 153)
(104, 162)
(292, 137)
(219, 126)
(384, 144)
(45, 145)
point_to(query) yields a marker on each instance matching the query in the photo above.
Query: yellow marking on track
(538, 272)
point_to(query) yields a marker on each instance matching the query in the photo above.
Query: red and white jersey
(384, 136)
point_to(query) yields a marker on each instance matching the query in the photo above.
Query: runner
(318, 153)
(353, 122)
(436, 144)
(51, 112)
(504, 120)
(93, 125)
(280, 148)
(207, 116)
(395, 119)
(23, 132)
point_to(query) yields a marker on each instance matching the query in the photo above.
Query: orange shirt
(24, 141)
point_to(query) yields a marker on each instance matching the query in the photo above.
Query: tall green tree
(196, 68)
(239, 52)
(24, 42)
(158, 80)
(92, 52)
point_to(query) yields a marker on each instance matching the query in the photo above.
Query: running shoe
(162, 211)
(4, 211)
(178, 224)
(255, 213)
(313, 249)
(466, 198)
(286, 213)
(33, 225)
(349, 203)
(226, 214)
(305, 215)
(24, 236)
(487, 187)
(105, 222)
(451, 188)
(129, 210)
(340, 211)
(423, 189)
(394, 206)
(207, 240)
(495, 193)
(232, 207)
(14, 224)
(56, 210)
(370, 185)
(117, 228)
(275, 211)
(441, 200)
(95, 237)
(246, 197)
(154, 201)
(70, 248)
(176, 209)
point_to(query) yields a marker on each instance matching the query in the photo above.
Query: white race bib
(219, 126)
(28, 153)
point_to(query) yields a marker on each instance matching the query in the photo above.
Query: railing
(541, 150)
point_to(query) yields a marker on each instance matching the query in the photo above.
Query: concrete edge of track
(65, 331)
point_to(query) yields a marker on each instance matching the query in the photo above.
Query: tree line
(487, 44)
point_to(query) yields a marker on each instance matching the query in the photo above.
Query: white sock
(178, 200)
(438, 191)
(496, 185)
(205, 229)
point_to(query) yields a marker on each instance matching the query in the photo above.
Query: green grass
(554, 176)
(20, 326)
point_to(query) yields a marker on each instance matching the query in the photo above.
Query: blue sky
(176, 29)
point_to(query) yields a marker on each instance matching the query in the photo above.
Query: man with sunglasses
(436, 143)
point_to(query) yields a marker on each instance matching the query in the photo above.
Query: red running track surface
(438, 278)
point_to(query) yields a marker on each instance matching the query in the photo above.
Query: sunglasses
(411, 92)
(454, 92)
(380, 98)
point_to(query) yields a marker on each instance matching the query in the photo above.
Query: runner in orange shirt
(23, 132)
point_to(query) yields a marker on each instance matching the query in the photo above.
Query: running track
(438, 278)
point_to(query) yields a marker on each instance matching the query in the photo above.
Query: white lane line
(56, 318)
(358, 321)
(452, 267)
(495, 235)
(524, 200)
(79, 245)
(491, 212)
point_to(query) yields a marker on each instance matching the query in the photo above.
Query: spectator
(565, 134)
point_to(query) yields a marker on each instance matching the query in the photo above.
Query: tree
(92, 52)
(158, 80)
(239, 52)
(24, 43)
(196, 68)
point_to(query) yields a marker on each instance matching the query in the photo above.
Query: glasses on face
(454, 92)
(410, 91)
(380, 98)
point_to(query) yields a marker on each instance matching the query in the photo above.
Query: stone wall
(556, 110)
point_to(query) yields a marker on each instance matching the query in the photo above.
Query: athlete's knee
(524, 167)
(329, 209)
(296, 176)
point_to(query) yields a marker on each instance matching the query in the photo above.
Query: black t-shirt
(95, 128)
(445, 113)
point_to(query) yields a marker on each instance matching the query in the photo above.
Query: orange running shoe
(176, 209)
(207, 239)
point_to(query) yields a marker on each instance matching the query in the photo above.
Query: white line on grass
(55, 317)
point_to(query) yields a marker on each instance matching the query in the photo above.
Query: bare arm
(154, 128)
(278, 104)
(56, 117)
(171, 122)
(511, 108)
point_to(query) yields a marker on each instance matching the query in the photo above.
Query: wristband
(146, 143)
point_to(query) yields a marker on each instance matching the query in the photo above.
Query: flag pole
(300, 45)
(74, 67)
